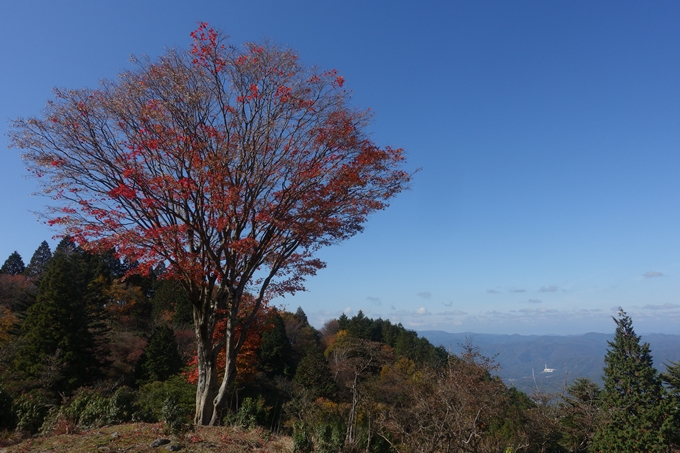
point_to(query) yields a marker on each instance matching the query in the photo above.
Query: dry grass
(137, 437)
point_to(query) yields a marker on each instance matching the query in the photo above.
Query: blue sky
(547, 134)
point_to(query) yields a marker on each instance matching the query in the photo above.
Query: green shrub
(329, 438)
(252, 413)
(95, 413)
(30, 410)
(123, 406)
(151, 398)
(302, 442)
(7, 416)
(90, 409)
(177, 419)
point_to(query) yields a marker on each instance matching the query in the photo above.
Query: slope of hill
(141, 437)
(524, 357)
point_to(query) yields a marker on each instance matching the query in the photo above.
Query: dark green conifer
(361, 327)
(302, 316)
(314, 374)
(66, 246)
(638, 407)
(276, 353)
(60, 349)
(160, 359)
(343, 322)
(14, 265)
(672, 377)
(39, 261)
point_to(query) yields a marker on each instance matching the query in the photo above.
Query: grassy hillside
(138, 437)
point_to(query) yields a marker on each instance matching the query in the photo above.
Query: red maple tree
(247, 361)
(230, 165)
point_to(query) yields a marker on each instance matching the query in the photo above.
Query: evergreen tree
(60, 349)
(39, 261)
(66, 246)
(314, 374)
(639, 410)
(362, 327)
(672, 378)
(343, 322)
(14, 265)
(275, 350)
(160, 359)
(302, 316)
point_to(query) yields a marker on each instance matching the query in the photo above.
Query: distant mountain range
(523, 358)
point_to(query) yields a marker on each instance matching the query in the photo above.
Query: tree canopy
(39, 261)
(60, 347)
(14, 265)
(231, 165)
(639, 411)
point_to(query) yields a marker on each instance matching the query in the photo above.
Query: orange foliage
(121, 298)
(247, 360)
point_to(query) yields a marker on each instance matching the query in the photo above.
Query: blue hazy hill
(523, 357)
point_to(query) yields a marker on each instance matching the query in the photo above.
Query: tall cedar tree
(315, 376)
(232, 165)
(639, 410)
(39, 261)
(160, 359)
(672, 378)
(14, 265)
(60, 349)
(275, 350)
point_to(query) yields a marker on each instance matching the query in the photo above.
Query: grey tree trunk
(206, 355)
(206, 387)
(220, 400)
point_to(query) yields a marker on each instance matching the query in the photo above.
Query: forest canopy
(355, 384)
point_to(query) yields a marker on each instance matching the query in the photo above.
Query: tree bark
(219, 403)
(206, 387)
(206, 355)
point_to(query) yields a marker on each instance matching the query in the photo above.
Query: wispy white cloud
(425, 295)
(538, 311)
(452, 313)
(375, 300)
(548, 289)
(535, 301)
(447, 304)
(519, 290)
(667, 306)
(652, 274)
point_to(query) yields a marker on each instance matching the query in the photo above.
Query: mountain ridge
(523, 358)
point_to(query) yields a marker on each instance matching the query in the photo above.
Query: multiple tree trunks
(230, 165)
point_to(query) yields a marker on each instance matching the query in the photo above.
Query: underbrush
(170, 402)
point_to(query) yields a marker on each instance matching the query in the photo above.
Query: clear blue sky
(547, 133)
